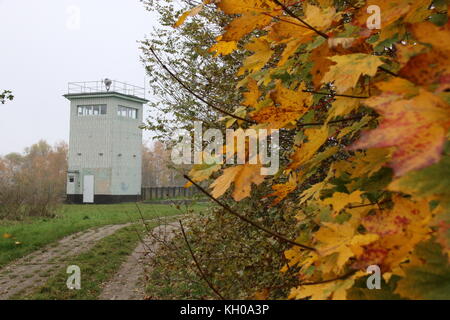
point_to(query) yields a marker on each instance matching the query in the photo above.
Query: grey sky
(43, 49)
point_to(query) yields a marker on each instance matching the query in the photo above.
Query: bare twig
(289, 12)
(243, 218)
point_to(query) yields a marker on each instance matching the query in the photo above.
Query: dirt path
(34, 269)
(128, 282)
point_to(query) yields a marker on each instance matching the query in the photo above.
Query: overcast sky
(44, 48)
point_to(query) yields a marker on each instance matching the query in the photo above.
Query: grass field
(30, 235)
(98, 265)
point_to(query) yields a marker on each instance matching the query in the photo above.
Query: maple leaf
(223, 47)
(203, 171)
(188, 13)
(349, 68)
(336, 290)
(252, 95)
(426, 182)
(415, 127)
(312, 192)
(316, 138)
(391, 11)
(340, 200)
(239, 7)
(342, 106)
(428, 275)
(342, 240)
(245, 24)
(319, 56)
(243, 176)
(399, 229)
(431, 67)
(292, 105)
(282, 190)
(369, 162)
(289, 27)
(262, 54)
(7, 236)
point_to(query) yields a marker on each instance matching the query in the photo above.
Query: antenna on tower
(108, 83)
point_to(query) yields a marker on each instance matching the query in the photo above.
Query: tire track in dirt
(128, 283)
(34, 269)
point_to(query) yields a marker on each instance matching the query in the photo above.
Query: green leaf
(428, 277)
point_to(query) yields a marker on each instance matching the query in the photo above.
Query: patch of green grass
(33, 234)
(97, 266)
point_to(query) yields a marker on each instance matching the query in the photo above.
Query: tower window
(71, 179)
(127, 112)
(91, 110)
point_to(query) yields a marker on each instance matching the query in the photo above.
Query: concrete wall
(106, 146)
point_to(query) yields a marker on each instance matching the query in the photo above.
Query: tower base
(103, 198)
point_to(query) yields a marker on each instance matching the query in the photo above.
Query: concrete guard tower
(105, 156)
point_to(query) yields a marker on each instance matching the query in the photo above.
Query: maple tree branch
(243, 218)
(193, 93)
(345, 276)
(283, 20)
(335, 94)
(202, 274)
(329, 122)
(293, 15)
(388, 71)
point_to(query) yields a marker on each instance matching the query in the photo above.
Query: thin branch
(335, 95)
(198, 265)
(345, 276)
(283, 20)
(329, 122)
(193, 93)
(388, 71)
(255, 224)
(289, 12)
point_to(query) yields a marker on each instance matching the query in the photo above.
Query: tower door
(88, 189)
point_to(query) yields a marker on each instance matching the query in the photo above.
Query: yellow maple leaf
(349, 68)
(312, 192)
(282, 190)
(343, 240)
(262, 54)
(223, 47)
(334, 290)
(239, 6)
(252, 95)
(340, 200)
(188, 13)
(245, 24)
(398, 86)
(7, 236)
(391, 11)
(291, 106)
(342, 106)
(243, 177)
(316, 138)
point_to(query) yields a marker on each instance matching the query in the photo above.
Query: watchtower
(105, 157)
